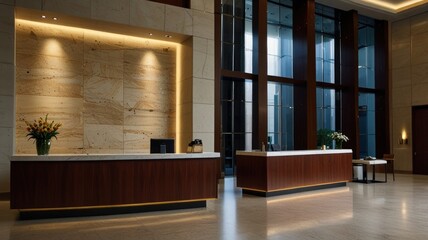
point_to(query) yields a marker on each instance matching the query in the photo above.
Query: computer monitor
(162, 145)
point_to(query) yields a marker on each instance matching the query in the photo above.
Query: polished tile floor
(393, 210)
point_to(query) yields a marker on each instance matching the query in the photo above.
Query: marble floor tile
(393, 210)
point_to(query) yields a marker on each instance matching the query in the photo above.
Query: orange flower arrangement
(42, 129)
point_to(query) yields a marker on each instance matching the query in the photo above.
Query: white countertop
(292, 152)
(101, 157)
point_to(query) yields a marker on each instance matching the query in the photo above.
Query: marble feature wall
(409, 81)
(111, 92)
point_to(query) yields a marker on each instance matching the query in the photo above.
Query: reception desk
(275, 173)
(122, 183)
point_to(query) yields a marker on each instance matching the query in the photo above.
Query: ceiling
(391, 10)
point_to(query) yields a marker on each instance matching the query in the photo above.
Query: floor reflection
(393, 210)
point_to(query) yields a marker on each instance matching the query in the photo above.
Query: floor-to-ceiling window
(280, 97)
(366, 84)
(280, 38)
(327, 98)
(293, 55)
(236, 91)
(236, 37)
(281, 115)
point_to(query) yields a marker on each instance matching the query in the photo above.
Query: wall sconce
(403, 139)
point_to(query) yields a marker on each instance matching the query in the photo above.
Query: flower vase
(43, 146)
(339, 144)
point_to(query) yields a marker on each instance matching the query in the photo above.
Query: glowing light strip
(311, 195)
(391, 7)
(285, 189)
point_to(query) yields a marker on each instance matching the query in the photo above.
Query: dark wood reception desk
(157, 181)
(274, 173)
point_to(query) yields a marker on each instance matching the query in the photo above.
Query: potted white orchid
(339, 138)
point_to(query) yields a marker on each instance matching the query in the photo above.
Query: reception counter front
(76, 185)
(274, 173)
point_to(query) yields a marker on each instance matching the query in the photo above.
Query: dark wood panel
(349, 78)
(58, 184)
(304, 69)
(382, 83)
(260, 68)
(251, 172)
(283, 172)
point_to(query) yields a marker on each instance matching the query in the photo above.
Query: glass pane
(248, 117)
(248, 141)
(273, 13)
(227, 56)
(371, 101)
(227, 149)
(239, 117)
(226, 116)
(239, 143)
(287, 95)
(240, 8)
(329, 119)
(320, 98)
(371, 145)
(273, 119)
(363, 146)
(329, 98)
(274, 138)
(286, 16)
(227, 28)
(328, 72)
(320, 118)
(226, 89)
(227, 7)
(371, 122)
(248, 91)
(328, 25)
(273, 94)
(280, 40)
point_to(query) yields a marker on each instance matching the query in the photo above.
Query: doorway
(420, 144)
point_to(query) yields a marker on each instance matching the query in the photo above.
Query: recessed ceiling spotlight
(54, 18)
(168, 36)
(43, 16)
(151, 34)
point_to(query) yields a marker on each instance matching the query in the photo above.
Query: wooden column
(382, 96)
(349, 78)
(260, 69)
(305, 125)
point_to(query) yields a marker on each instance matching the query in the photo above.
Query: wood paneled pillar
(305, 125)
(349, 78)
(260, 69)
(382, 84)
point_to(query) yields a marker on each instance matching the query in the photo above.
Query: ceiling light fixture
(54, 18)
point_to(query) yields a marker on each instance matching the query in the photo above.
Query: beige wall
(409, 53)
(197, 23)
